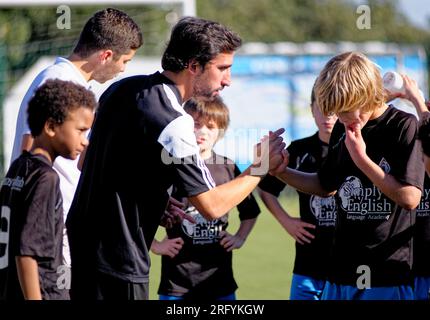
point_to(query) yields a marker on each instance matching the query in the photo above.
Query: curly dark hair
(109, 29)
(54, 100)
(197, 39)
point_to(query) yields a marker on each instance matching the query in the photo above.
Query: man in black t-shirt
(141, 143)
(31, 225)
(374, 165)
(311, 264)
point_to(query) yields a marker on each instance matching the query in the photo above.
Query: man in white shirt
(107, 42)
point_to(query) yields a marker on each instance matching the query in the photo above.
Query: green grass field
(263, 266)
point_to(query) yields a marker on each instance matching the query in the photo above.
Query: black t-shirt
(31, 225)
(422, 233)
(203, 268)
(424, 132)
(311, 259)
(371, 229)
(141, 143)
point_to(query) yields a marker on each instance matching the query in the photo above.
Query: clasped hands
(270, 155)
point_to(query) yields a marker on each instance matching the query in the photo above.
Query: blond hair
(348, 82)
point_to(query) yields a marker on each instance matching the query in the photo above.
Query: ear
(49, 128)
(193, 66)
(105, 56)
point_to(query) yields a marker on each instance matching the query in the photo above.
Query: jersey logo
(324, 210)
(301, 160)
(203, 231)
(423, 209)
(361, 203)
(15, 184)
(384, 165)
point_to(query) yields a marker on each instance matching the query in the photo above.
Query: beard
(204, 94)
(203, 91)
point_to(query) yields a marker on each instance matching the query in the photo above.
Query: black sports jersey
(422, 233)
(141, 143)
(424, 132)
(311, 259)
(203, 268)
(371, 229)
(31, 225)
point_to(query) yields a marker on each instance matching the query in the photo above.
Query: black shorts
(111, 288)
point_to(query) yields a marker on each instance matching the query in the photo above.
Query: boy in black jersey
(375, 167)
(31, 225)
(197, 258)
(421, 265)
(313, 231)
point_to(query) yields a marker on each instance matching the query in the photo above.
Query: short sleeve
(173, 128)
(409, 165)
(271, 185)
(38, 235)
(424, 133)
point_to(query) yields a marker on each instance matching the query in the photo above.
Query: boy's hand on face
(354, 142)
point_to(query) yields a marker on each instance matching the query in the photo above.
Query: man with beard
(141, 143)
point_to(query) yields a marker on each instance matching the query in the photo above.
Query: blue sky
(418, 11)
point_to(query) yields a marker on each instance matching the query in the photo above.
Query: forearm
(406, 196)
(28, 275)
(420, 106)
(304, 182)
(155, 246)
(295, 227)
(218, 201)
(275, 208)
(245, 228)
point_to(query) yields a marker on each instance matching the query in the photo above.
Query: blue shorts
(422, 288)
(341, 292)
(227, 297)
(306, 288)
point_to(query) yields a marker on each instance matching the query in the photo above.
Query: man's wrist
(257, 170)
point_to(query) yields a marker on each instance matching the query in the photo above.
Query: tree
(310, 20)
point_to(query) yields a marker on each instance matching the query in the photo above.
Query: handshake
(270, 155)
